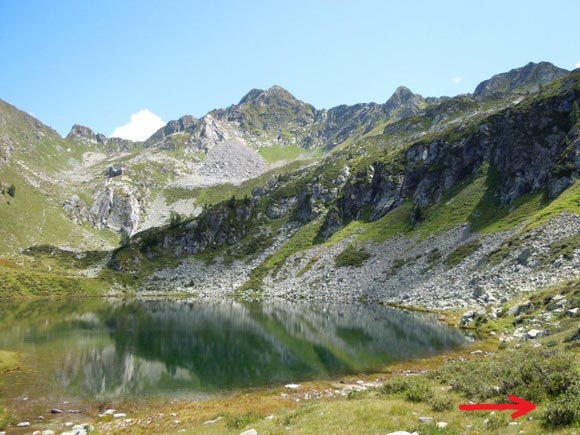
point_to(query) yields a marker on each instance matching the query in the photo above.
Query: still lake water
(117, 350)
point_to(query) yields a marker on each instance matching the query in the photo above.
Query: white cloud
(456, 80)
(142, 125)
(578, 64)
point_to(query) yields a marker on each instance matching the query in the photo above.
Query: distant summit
(274, 92)
(274, 116)
(526, 78)
(83, 134)
(404, 103)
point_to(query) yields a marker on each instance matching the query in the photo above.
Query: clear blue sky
(97, 62)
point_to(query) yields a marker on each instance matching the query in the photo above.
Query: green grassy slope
(36, 156)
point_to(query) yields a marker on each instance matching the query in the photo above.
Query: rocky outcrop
(6, 148)
(527, 78)
(76, 210)
(182, 124)
(281, 208)
(222, 225)
(118, 208)
(370, 194)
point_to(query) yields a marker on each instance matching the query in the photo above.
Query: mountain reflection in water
(134, 348)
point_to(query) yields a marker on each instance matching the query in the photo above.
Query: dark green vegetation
(352, 256)
(463, 251)
(546, 375)
(9, 190)
(417, 389)
(564, 248)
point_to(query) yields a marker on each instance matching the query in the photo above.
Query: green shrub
(241, 421)
(419, 391)
(395, 385)
(356, 395)
(351, 256)
(535, 374)
(415, 389)
(565, 410)
(440, 403)
(496, 421)
(564, 248)
(562, 412)
(417, 215)
(175, 219)
(462, 252)
(433, 256)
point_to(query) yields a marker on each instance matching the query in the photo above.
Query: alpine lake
(90, 351)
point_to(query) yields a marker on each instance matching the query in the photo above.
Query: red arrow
(521, 406)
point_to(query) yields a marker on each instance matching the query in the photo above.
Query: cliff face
(531, 147)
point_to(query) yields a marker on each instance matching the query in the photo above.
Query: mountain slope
(272, 195)
(34, 158)
(376, 200)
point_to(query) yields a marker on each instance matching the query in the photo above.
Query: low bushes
(351, 256)
(417, 390)
(534, 374)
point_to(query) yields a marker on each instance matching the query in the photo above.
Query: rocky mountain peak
(402, 93)
(251, 96)
(526, 78)
(273, 109)
(275, 92)
(182, 124)
(404, 101)
(83, 133)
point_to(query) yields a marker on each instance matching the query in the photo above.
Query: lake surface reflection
(106, 349)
